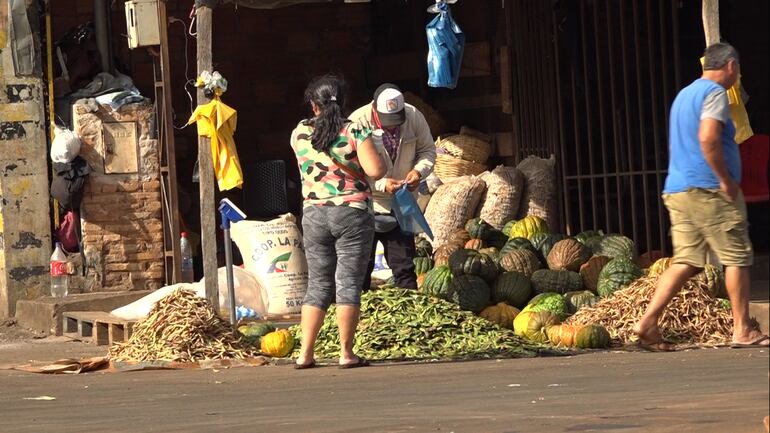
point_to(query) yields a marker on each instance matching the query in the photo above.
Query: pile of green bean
(399, 324)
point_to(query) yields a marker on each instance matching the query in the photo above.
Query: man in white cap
(411, 153)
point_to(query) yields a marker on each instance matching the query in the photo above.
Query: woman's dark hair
(327, 93)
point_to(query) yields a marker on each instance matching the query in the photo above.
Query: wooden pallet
(96, 327)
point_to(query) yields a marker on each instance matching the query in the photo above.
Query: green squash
(592, 337)
(496, 239)
(471, 262)
(422, 265)
(471, 293)
(617, 274)
(423, 248)
(615, 246)
(546, 280)
(568, 255)
(508, 227)
(254, 331)
(528, 226)
(438, 282)
(585, 237)
(517, 244)
(534, 325)
(522, 261)
(580, 299)
(478, 229)
(553, 302)
(513, 288)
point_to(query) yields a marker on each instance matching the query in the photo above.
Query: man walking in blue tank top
(704, 199)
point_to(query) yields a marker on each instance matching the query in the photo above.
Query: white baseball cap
(389, 103)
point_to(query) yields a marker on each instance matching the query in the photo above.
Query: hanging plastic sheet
(408, 214)
(446, 42)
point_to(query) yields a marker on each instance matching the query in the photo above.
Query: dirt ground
(10, 331)
(706, 390)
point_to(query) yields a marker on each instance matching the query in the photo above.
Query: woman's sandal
(304, 366)
(362, 362)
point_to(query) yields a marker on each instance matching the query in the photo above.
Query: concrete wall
(25, 234)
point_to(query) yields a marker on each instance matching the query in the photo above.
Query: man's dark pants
(399, 253)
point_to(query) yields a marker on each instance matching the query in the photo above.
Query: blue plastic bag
(446, 42)
(408, 213)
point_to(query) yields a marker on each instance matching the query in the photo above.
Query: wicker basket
(466, 147)
(447, 167)
(435, 121)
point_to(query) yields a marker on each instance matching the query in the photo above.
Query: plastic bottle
(188, 273)
(59, 276)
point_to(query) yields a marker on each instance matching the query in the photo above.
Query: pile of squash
(499, 274)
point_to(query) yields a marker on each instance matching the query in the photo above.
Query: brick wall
(121, 213)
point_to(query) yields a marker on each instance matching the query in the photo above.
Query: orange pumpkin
(277, 344)
(474, 244)
(501, 314)
(563, 335)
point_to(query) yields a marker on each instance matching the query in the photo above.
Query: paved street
(706, 390)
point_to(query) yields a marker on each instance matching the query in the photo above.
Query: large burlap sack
(274, 253)
(540, 190)
(452, 205)
(503, 196)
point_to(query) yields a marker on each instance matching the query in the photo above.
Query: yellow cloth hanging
(217, 121)
(738, 112)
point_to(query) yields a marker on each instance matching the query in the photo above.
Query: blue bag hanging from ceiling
(445, 49)
(408, 214)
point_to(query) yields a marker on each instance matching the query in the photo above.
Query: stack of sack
(497, 196)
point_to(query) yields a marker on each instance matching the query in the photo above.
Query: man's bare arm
(710, 137)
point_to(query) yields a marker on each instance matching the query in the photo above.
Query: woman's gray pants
(338, 243)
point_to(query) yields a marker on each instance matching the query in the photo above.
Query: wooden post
(713, 36)
(711, 22)
(206, 166)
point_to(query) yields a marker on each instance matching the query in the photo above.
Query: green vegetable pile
(399, 324)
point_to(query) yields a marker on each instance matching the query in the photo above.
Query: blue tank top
(687, 167)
